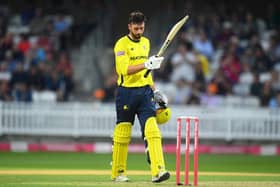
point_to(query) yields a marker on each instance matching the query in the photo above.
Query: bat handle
(147, 73)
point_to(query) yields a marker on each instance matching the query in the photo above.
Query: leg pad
(153, 137)
(121, 139)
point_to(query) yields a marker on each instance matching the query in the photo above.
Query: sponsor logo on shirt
(138, 57)
(120, 53)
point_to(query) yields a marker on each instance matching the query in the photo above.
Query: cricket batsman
(136, 95)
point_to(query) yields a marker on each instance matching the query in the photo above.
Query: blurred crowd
(225, 49)
(36, 39)
(34, 61)
(222, 51)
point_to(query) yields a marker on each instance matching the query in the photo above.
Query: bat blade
(169, 38)
(172, 34)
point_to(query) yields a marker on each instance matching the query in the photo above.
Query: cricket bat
(169, 38)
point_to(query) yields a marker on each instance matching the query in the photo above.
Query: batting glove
(153, 62)
(160, 98)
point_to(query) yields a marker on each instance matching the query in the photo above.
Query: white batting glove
(153, 62)
(160, 98)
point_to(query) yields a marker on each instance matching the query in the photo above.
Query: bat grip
(147, 73)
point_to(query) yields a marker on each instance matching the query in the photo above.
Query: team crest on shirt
(125, 107)
(144, 47)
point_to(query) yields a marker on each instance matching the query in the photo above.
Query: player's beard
(136, 36)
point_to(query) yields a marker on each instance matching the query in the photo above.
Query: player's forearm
(135, 69)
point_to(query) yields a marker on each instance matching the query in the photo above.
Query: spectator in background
(11, 62)
(27, 14)
(36, 78)
(262, 63)
(3, 26)
(50, 61)
(275, 80)
(247, 57)
(274, 47)
(31, 54)
(210, 98)
(69, 85)
(5, 87)
(246, 76)
(22, 93)
(17, 55)
(272, 15)
(37, 54)
(50, 37)
(200, 81)
(183, 61)
(24, 44)
(40, 54)
(45, 42)
(204, 45)
(5, 74)
(60, 24)
(19, 84)
(38, 23)
(183, 91)
(194, 98)
(234, 44)
(6, 45)
(222, 37)
(203, 64)
(108, 92)
(275, 101)
(64, 66)
(65, 72)
(249, 26)
(222, 86)
(266, 93)
(256, 86)
(5, 91)
(53, 81)
(230, 66)
(19, 76)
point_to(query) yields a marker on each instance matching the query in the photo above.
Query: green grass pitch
(89, 169)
